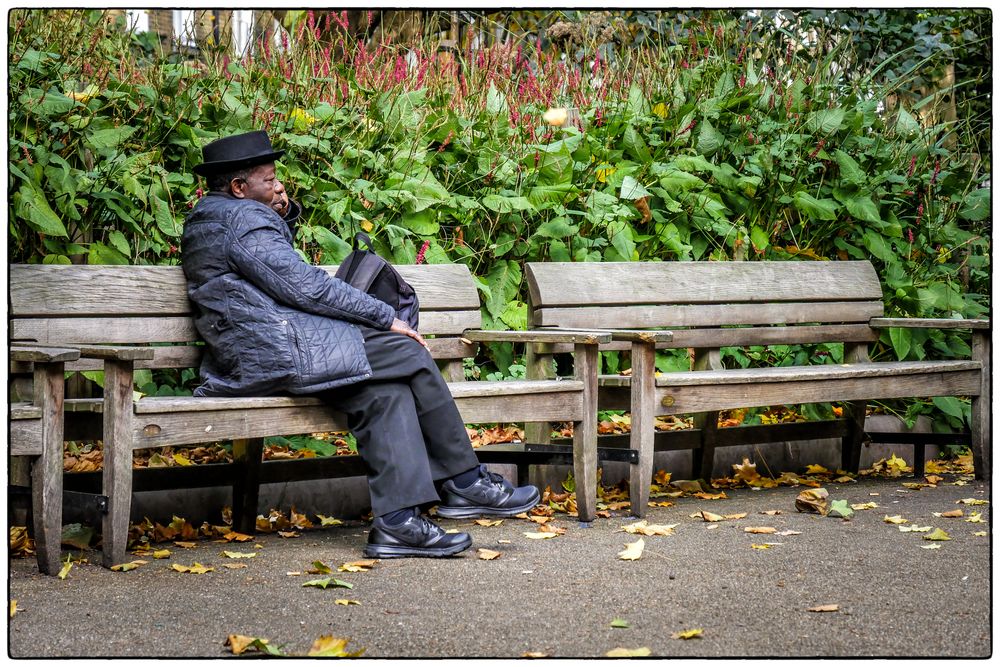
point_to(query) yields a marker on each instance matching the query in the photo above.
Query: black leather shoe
(490, 495)
(416, 536)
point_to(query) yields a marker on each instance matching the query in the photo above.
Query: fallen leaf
(816, 470)
(981, 533)
(328, 521)
(235, 537)
(287, 533)
(326, 583)
(915, 529)
(293, 574)
(741, 515)
(633, 550)
(771, 512)
(711, 526)
(234, 566)
(241, 643)
(197, 568)
(972, 501)
(540, 536)
(239, 554)
(331, 647)
(319, 567)
(185, 545)
(785, 533)
(688, 634)
(812, 500)
(644, 528)
(895, 519)
(488, 554)
(760, 546)
(915, 485)
(839, 509)
(160, 554)
(628, 652)
(13, 608)
(938, 535)
(844, 480)
(76, 535)
(125, 567)
(65, 569)
(933, 479)
(488, 523)
(620, 623)
(540, 520)
(534, 654)
(864, 506)
(711, 496)
(356, 566)
(762, 530)
(343, 602)
(747, 472)
(953, 514)
(300, 521)
(931, 546)
(826, 607)
(619, 505)
(709, 516)
(975, 517)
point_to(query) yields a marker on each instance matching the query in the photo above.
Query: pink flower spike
(422, 252)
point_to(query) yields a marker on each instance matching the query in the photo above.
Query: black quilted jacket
(272, 323)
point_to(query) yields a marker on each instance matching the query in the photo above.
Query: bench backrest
(816, 301)
(139, 305)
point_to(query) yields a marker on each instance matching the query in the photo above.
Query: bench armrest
(537, 336)
(38, 354)
(927, 323)
(115, 352)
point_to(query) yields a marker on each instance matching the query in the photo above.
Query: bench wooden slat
(929, 323)
(30, 354)
(646, 316)
(25, 411)
(26, 437)
(50, 290)
(567, 284)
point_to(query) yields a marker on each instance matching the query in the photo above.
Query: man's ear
(238, 188)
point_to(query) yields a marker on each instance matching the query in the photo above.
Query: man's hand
(280, 201)
(401, 327)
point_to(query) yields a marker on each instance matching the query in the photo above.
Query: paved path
(559, 596)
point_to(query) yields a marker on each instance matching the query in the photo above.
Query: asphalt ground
(558, 597)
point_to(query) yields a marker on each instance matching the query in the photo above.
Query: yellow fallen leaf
(649, 529)
(633, 550)
(981, 533)
(239, 554)
(287, 533)
(975, 517)
(357, 566)
(931, 546)
(332, 647)
(696, 633)
(938, 535)
(953, 514)
(708, 516)
(239, 643)
(762, 530)
(160, 554)
(344, 602)
(540, 536)
(65, 569)
(488, 523)
(186, 545)
(628, 652)
(235, 537)
(328, 521)
(319, 567)
(771, 512)
(488, 554)
(915, 529)
(534, 654)
(13, 608)
(825, 607)
(760, 546)
(816, 470)
(972, 501)
(125, 567)
(235, 566)
(933, 480)
(197, 568)
(711, 496)
(864, 506)
(895, 519)
(183, 460)
(540, 520)
(733, 517)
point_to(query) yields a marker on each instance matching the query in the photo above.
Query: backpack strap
(360, 238)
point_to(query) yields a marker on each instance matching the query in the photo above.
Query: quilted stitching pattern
(272, 323)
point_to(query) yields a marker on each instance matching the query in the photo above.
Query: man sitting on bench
(274, 324)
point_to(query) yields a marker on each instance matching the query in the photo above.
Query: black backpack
(370, 273)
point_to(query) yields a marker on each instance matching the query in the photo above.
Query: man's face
(259, 185)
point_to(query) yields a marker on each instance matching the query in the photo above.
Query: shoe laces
(494, 478)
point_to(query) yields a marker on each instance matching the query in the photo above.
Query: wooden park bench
(123, 318)
(711, 305)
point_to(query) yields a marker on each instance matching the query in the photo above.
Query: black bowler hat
(237, 152)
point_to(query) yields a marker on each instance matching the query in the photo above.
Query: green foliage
(697, 135)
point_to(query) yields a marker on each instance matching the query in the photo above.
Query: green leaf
(759, 239)
(56, 259)
(328, 582)
(825, 121)
(556, 228)
(620, 623)
(543, 196)
(421, 223)
(165, 221)
(515, 315)
(906, 125)
(901, 340)
(850, 170)
(635, 145)
(36, 209)
(337, 247)
(504, 281)
(950, 405)
(818, 209)
(622, 239)
(76, 535)
(637, 104)
(709, 139)
(505, 204)
(119, 242)
(102, 254)
(862, 208)
(878, 246)
(977, 205)
(632, 189)
(676, 181)
(555, 164)
(110, 137)
(840, 509)
(496, 104)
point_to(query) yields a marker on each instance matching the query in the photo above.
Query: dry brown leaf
(711, 496)
(239, 643)
(953, 514)
(733, 517)
(709, 516)
(288, 533)
(540, 536)
(813, 500)
(771, 512)
(897, 519)
(237, 537)
(185, 545)
(644, 528)
(488, 523)
(761, 530)
(488, 554)
(197, 568)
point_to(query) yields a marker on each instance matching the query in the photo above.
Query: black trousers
(409, 431)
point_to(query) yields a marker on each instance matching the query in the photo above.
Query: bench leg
(850, 447)
(703, 458)
(643, 431)
(47, 470)
(117, 473)
(538, 362)
(247, 455)
(981, 409)
(585, 434)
